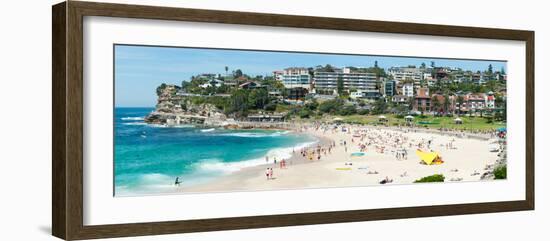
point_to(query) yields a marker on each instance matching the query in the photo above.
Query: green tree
(304, 113)
(436, 106)
(500, 172)
(446, 104)
(326, 68)
(340, 85)
(258, 98)
(312, 105)
(380, 106)
(238, 73)
(185, 84)
(432, 178)
(500, 106)
(460, 101)
(160, 89)
(491, 85)
(331, 106)
(270, 106)
(410, 103)
(239, 102)
(347, 110)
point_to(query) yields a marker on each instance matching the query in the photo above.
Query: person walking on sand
(267, 173)
(270, 173)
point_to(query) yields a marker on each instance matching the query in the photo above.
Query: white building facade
(356, 81)
(406, 73)
(408, 90)
(295, 78)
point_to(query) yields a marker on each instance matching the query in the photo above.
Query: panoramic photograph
(201, 120)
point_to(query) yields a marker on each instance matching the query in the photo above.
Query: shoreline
(332, 169)
(250, 171)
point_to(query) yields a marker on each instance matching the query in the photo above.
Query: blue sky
(140, 69)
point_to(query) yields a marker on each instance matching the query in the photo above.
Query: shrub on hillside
(432, 178)
(500, 172)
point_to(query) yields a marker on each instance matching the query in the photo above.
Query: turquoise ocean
(148, 158)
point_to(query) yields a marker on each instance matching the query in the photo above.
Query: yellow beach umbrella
(427, 157)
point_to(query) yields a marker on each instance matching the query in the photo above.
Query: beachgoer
(177, 182)
(267, 173)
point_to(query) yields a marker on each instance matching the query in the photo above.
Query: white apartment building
(361, 82)
(295, 77)
(408, 90)
(406, 73)
(278, 75)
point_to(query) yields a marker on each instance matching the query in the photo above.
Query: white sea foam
(170, 126)
(135, 124)
(132, 118)
(208, 130)
(156, 183)
(256, 134)
(152, 183)
(155, 178)
(215, 165)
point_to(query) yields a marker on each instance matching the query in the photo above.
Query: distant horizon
(140, 69)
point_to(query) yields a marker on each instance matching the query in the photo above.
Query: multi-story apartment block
(422, 100)
(389, 88)
(400, 99)
(475, 102)
(407, 73)
(490, 101)
(295, 78)
(443, 106)
(359, 81)
(278, 75)
(408, 90)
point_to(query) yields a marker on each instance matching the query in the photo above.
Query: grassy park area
(468, 123)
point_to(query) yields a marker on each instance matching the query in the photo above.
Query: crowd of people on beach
(388, 141)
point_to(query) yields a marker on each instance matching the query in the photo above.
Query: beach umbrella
(381, 117)
(427, 157)
(409, 117)
(458, 121)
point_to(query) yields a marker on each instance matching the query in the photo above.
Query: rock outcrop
(175, 109)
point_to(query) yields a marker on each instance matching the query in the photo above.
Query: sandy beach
(388, 153)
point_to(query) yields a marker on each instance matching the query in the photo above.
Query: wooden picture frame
(67, 136)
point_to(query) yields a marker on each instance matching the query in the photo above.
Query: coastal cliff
(175, 109)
